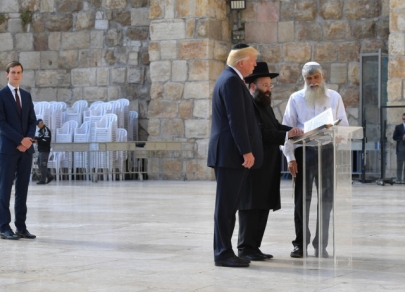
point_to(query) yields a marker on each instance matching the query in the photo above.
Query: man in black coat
(263, 188)
(44, 147)
(235, 147)
(399, 136)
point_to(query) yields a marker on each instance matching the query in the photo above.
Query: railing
(123, 160)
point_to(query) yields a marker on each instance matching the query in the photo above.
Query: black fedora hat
(261, 70)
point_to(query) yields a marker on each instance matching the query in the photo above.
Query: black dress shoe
(50, 179)
(324, 254)
(268, 256)
(9, 234)
(298, 252)
(254, 256)
(25, 234)
(232, 262)
(41, 183)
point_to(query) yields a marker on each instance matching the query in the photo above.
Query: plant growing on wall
(26, 18)
(2, 18)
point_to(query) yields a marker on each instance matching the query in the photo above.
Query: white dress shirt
(12, 88)
(298, 112)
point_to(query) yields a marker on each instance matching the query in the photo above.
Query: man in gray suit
(235, 147)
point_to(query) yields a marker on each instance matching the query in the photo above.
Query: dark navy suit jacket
(397, 136)
(235, 130)
(13, 127)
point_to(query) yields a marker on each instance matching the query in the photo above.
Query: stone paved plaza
(157, 236)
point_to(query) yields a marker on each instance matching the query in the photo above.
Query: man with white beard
(302, 106)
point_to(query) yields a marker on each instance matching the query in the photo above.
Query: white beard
(315, 95)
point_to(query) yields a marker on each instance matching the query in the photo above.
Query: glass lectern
(327, 163)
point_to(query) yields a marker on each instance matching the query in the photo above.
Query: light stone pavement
(157, 236)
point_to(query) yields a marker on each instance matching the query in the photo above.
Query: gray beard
(315, 96)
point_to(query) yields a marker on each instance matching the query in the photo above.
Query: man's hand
(295, 132)
(22, 148)
(403, 137)
(249, 160)
(26, 142)
(293, 168)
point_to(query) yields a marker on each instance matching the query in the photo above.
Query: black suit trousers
(252, 224)
(14, 166)
(230, 186)
(311, 173)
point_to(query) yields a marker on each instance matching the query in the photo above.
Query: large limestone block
(28, 80)
(97, 39)
(137, 33)
(114, 4)
(270, 53)
(40, 41)
(44, 94)
(172, 128)
(256, 32)
(198, 170)
(69, 6)
(350, 95)
(173, 90)
(349, 51)
(309, 31)
(338, 73)
(396, 44)
(186, 109)
(286, 31)
(64, 94)
(118, 75)
(200, 8)
(204, 69)
(49, 60)
(154, 51)
(249, 14)
(140, 16)
(54, 41)
(24, 41)
(396, 67)
(103, 76)
(354, 73)
(397, 4)
(197, 90)
(196, 49)
(297, 52)
(156, 90)
(172, 29)
(122, 17)
(168, 50)
(136, 75)
(160, 71)
(159, 108)
(356, 9)
(154, 127)
(363, 29)
(14, 25)
(179, 70)
(289, 73)
(6, 41)
(202, 109)
(94, 93)
(172, 168)
(383, 28)
(221, 50)
(331, 9)
(38, 23)
(156, 10)
(190, 28)
(209, 28)
(68, 59)
(75, 40)
(372, 46)
(47, 6)
(59, 22)
(30, 60)
(397, 20)
(9, 6)
(114, 37)
(303, 10)
(198, 128)
(337, 30)
(47, 78)
(394, 89)
(325, 52)
(84, 77)
(268, 12)
(85, 20)
(5, 58)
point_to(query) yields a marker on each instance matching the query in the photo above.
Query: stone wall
(188, 48)
(75, 49)
(334, 33)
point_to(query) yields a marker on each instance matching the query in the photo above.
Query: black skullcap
(38, 121)
(240, 46)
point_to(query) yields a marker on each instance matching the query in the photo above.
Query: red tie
(17, 100)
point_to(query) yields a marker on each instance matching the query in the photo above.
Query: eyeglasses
(265, 85)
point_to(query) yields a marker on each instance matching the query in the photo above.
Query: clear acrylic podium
(327, 153)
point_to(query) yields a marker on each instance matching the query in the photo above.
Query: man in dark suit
(263, 192)
(17, 128)
(235, 146)
(399, 136)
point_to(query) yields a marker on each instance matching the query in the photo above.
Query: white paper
(324, 118)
